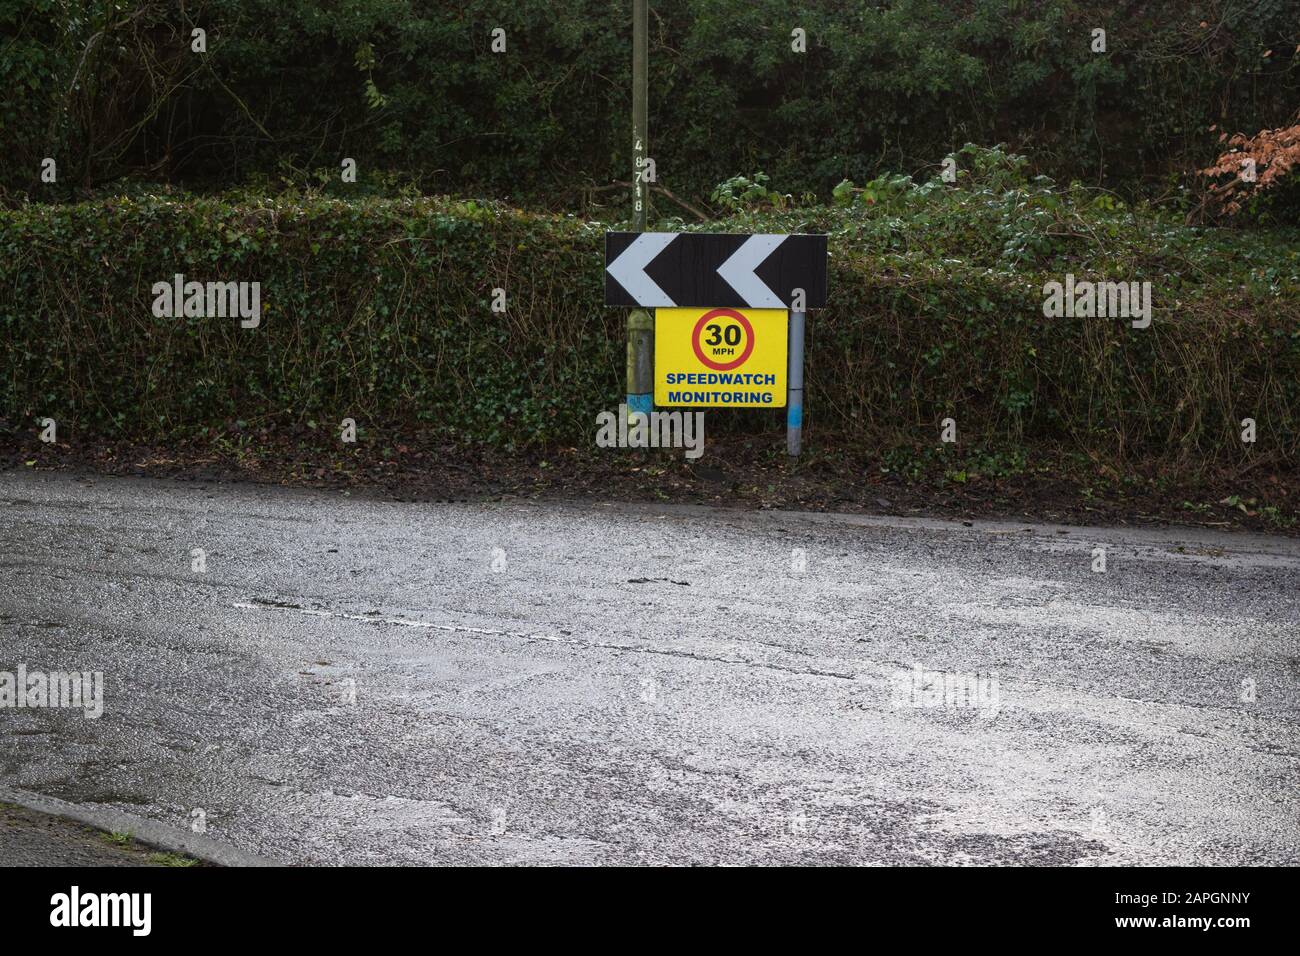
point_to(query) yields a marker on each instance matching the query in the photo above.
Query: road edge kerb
(161, 836)
(1269, 543)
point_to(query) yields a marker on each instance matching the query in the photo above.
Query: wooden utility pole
(640, 323)
(640, 107)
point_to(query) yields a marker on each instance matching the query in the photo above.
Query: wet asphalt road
(362, 681)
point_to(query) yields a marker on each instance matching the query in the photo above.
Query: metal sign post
(794, 376)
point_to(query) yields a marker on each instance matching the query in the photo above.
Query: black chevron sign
(664, 269)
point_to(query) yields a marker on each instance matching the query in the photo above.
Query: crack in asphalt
(257, 604)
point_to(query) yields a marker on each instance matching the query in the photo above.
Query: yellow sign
(726, 358)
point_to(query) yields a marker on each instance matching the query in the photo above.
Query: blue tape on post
(640, 404)
(794, 416)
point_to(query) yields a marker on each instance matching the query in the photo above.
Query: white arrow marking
(629, 268)
(739, 268)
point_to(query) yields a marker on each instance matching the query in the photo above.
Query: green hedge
(381, 310)
(378, 310)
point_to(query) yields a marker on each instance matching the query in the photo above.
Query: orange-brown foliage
(1274, 152)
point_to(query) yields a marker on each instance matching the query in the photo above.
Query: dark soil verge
(30, 838)
(742, 471)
